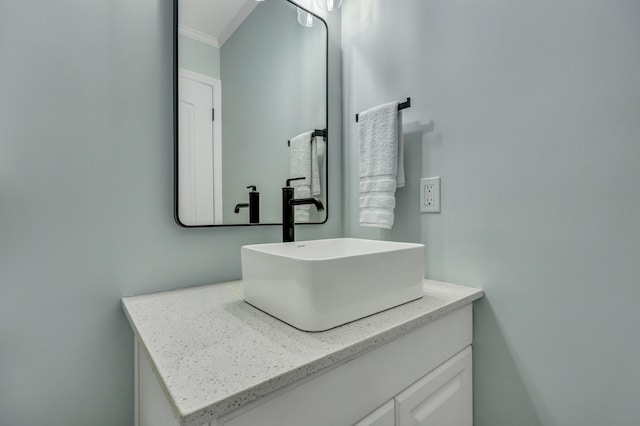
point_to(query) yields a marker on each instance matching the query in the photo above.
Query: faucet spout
(303, 201)
(288, 221)
(240, 206)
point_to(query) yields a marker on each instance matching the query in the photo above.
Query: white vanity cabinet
(441, 398)
(410, 365)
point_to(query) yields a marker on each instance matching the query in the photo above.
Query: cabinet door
(441, 398)
(383, 416)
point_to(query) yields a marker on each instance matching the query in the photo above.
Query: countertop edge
(142, 346)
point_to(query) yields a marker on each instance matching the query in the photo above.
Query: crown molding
(198, 35)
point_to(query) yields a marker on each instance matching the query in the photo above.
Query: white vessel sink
(321, 284)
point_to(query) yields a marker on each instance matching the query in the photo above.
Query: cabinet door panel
(441, 398)
(383, 416)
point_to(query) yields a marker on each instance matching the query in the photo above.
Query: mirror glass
(250, 110)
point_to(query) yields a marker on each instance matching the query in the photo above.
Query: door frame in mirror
(176, 132)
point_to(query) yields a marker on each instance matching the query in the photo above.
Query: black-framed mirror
(250, 109)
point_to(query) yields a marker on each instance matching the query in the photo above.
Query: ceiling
(212, 21)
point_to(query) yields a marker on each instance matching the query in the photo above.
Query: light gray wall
(273, 88)
(86, 202)
(536, 108)
(196, 56)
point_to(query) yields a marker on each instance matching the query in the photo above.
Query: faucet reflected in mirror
(288, 204)
(253, 204)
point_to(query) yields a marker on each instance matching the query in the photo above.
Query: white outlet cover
(430, 195)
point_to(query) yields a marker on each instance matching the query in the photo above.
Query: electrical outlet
(430, 195)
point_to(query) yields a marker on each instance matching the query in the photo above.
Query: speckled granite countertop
(213, 353)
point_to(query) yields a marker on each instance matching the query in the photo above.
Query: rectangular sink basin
(320, 284)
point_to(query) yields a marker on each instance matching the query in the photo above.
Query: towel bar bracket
(316, 133)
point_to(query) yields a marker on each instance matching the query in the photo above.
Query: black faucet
(288, 221)
(253, 204)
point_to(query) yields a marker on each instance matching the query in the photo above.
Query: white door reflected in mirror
(200, 163)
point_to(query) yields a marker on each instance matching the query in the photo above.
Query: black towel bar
(401, 105)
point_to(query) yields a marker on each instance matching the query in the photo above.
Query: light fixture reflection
(305, 18)
(329, 5)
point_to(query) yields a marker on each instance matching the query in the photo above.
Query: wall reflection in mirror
(251, 111)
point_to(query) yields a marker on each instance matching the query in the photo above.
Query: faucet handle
(298, 178)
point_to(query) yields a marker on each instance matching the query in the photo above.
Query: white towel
(381, 164)
(303, 162)
(315, 170)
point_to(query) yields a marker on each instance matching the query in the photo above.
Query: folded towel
(317, 165)
(315, 170)
(377, 184)
(381, 164)
(304, 155)
(400, 171)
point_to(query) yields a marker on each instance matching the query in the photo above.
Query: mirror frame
(175, 128)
